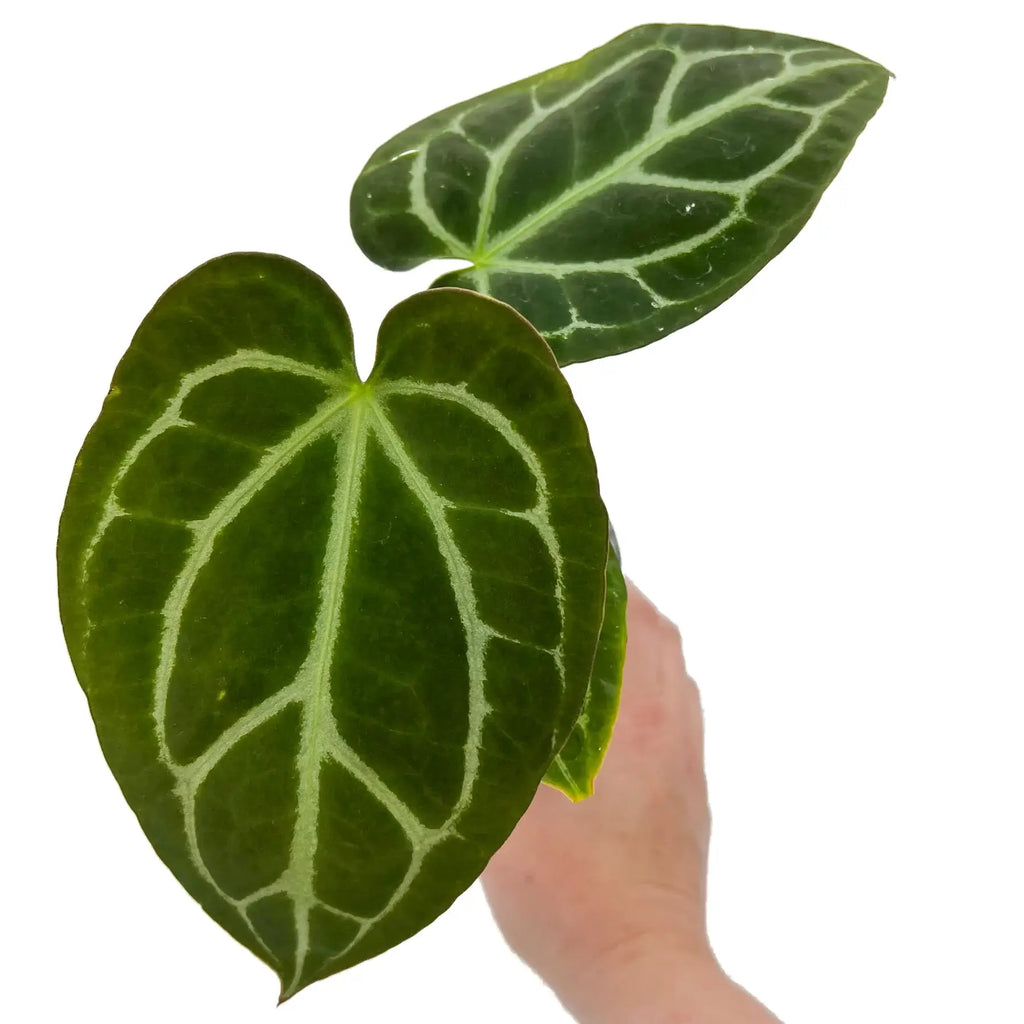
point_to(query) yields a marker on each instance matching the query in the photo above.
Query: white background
(820, 482)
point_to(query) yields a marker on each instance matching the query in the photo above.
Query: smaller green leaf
(622, 196)
(574, 769)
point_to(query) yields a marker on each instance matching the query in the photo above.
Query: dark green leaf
(620, 197)
(574, 769)
(332, 632)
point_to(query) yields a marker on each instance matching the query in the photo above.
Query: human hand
(606, 899)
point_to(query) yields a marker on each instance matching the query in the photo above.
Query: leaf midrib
(317, 704)
(532, 224)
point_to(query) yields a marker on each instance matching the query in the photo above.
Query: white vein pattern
(633, 175)
(243, 359)
(478, 632)
(491, 252)
(632, 269)
(318, 737)
(660, 134)
(205, 532)
(349, 422)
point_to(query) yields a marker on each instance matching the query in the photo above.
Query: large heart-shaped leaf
(617, 198)
(332, 632)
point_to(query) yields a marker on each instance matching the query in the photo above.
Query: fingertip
(641, 607)
(644, 619)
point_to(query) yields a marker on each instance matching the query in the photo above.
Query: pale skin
(606, 899)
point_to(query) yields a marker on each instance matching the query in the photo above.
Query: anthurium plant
(335, 632)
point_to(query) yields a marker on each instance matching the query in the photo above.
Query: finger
(660, 703)
(652, 629)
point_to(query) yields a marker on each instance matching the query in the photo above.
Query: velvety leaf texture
(618, 198)
(332, 632)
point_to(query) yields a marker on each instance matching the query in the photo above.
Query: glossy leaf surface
(620, 197)
(576, 767)
(331, 632)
